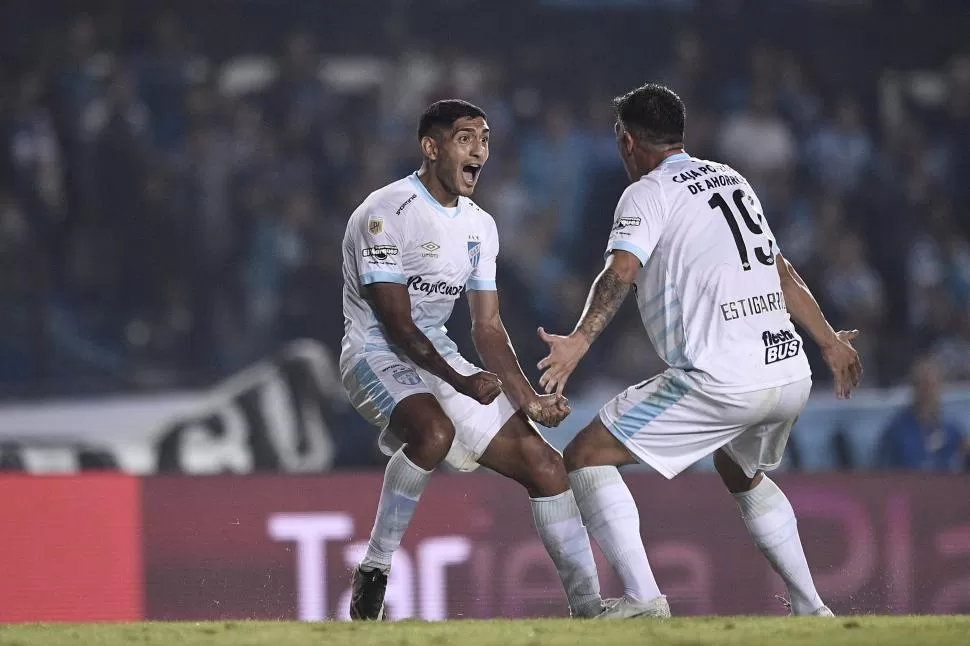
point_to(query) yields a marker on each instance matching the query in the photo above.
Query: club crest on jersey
(406, 376)
(474, 252)
(374, 227)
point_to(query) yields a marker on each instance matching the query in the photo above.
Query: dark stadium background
(175, 178)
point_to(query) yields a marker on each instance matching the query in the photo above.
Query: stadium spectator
(920, 438)
(758, 143)
(147, 192)
(36, 159)
(855, 293)
(953, 349)
(840, 152)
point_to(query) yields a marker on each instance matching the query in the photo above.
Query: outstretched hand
(564, 355)
(548, 410)
(843, 360)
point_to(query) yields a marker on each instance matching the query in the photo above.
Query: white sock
(561, 529)
(771, 522)
(612, 518)
(403, 484)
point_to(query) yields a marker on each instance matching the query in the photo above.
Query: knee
(595, 446)
(434, 440)
(579, 453)
(544, 473)
(733, 476)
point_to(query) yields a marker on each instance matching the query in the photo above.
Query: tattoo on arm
(605, 297)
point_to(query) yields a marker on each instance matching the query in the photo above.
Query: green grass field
(720, 631)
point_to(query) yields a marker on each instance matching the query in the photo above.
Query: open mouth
(470, 172)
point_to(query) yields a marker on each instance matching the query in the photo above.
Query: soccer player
(716, 298)
(410, 250)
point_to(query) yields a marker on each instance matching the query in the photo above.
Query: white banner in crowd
(273, 416)
(270, 416)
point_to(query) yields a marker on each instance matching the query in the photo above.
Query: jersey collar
(423, 191)
(672, 158)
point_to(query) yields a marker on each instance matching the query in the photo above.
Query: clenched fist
(482, 386)
(548, 410)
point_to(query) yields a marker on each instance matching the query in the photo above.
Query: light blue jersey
(401, 234)
(709, 293)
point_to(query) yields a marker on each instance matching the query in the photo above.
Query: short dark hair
(442, 114)
(653, 113)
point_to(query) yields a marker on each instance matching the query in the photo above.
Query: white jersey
(709, 292)
(401, 234)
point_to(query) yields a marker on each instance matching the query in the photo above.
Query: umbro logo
(430, 249)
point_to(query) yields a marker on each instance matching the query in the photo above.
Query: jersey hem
(738, 389)
(479, 285)
(382, 277)
(629, 247)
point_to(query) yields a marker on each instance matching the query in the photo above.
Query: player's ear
(627, 142)
(429, 146)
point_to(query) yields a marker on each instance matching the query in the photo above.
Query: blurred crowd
(172, 205)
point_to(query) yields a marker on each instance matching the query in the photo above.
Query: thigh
(475, 425)
(377, 384)
(670, 422)
(596, 446)
(416, 415)
(762, 446)
(516, 448)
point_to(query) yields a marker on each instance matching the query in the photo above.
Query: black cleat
(367, 598)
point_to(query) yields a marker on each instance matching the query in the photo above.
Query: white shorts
(669, 422)
(381, 379)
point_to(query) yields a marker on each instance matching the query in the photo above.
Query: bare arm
(498, 355)
(605, 297)
(494, 347)
(837, 350)
(802, 305)
(608, 292)
(392, 304)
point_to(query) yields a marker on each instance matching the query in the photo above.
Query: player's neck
(440, 194)
(927, 414)
(655, 162)
(668, 153)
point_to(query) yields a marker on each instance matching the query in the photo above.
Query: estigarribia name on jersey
(401, 234)
(709, 289)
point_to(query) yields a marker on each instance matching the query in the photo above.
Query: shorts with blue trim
(671, 421)
(380, 379)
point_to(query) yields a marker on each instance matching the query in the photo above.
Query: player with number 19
(717, 299)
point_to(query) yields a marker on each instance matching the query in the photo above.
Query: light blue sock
(404, 483)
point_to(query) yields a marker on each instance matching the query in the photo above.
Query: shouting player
(410, 250)
(715, 295)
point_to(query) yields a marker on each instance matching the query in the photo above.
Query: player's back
(710, 295)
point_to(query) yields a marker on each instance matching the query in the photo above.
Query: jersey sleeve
(379, 244)
(483, 259)
(638, 221)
